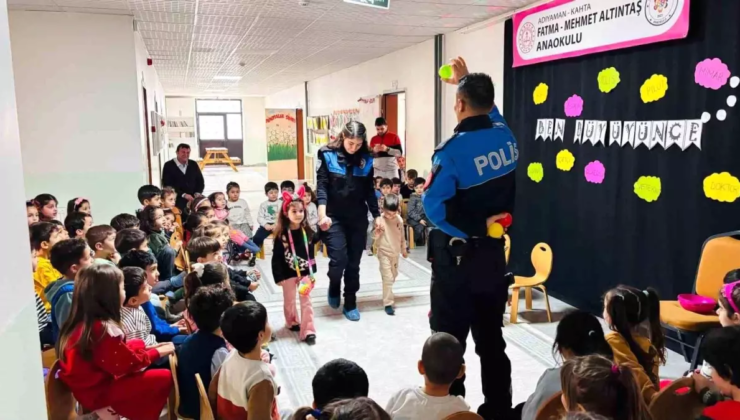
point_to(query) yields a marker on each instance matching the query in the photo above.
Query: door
(301, 145)
(390, 111)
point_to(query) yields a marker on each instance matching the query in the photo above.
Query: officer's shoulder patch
(432, 175)
(446, 142)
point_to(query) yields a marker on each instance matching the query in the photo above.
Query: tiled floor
(387, 347)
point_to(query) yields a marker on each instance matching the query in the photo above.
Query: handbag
(306, 283)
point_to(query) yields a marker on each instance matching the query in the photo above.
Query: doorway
(394, 112)
(220, 125)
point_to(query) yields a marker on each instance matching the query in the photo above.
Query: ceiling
(274, 44)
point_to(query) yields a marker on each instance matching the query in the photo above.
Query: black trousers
(260, 236)
(472, 296)
(345, 243)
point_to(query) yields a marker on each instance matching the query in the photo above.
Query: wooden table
(217, 155)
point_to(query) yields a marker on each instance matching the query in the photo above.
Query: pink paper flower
(595, 172)
(574, 106)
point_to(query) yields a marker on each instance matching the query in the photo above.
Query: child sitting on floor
(417, 217)
(47, 205)
(336, 380)
(246, 387)
(78, 204)
(169, 198)
(44, 235)
(102, 240)
(97, 364)
(720, 349)
(68, 257)
(218, 203)
(77, 224)
(396, 187)
(390, 242)
(625, 310)
(596, 384)
(267, 213)
(312, 212)
(204, 351)
(135, 323)
(240, 216)
(32, 212)
(130, 239)
(152, 223)
(150, 195)
(124, 221)
(441, 364)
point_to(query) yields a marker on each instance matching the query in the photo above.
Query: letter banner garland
(682, 133)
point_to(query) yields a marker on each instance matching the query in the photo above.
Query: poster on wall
(571, 28)
(282, 143)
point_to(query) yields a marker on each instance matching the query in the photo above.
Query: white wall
(483, 51)
(22, 395)
(255, 135)
(78, 108)
(147, 78)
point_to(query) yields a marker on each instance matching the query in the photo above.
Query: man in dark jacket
(184, 176)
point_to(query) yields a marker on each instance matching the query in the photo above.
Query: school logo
(526, 37)
(658, 12)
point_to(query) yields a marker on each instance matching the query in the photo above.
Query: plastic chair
(48, 357)
(464, 415)
(405, 217)
(60, 403)
(676, 402)
(718, 256)
(173, 406)
(542, 262)
(261, 253)
(206, 412)
(552, 409)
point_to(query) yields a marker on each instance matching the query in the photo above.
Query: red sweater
(112, 358)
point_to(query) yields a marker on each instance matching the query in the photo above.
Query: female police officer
(345, 191)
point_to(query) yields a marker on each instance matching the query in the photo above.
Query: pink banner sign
(571, 28)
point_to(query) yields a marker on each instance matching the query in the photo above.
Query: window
(219, 119)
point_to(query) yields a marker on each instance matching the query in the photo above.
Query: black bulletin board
(604, 234)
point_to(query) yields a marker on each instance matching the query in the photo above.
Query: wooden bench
(215, 155)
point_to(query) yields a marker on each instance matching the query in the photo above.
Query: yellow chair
(542, 262)
(206, 412)
(48, 357)
(676, 402)
(718, 257)
(552, 409)
(60, 403)
(173, 407)
(261, 253)
(464, 415)
(405, 217)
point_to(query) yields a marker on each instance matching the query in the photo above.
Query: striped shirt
(41, 313)
(136, 325)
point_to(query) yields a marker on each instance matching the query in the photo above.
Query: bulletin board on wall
(628, 159)
(282, 143)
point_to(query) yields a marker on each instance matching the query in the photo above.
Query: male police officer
(471, 185)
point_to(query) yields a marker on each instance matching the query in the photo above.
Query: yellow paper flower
(535, 171)
(654, 88)
(565, 160)
(540, 93)
(608, 79)
(722, 187)
(648, 188)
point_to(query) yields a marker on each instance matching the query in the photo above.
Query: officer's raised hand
(459, 70)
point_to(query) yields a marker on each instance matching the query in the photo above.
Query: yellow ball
(495, 230)
(445, 72)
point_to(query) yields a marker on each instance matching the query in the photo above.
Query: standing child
(417, 217)
(47, 205)
(136, 325)
(625, 310)
(218, 203)
(68, 257)
(408, 186)
(204, 351)
(32, 212)
(102, 240)
(312, 212)
(293, 261)
(441, 364)
(240, 216)
(78, 204)
(99, 366)
(390, 242)
(267, 214)
(152, 223)
(246, 387)
(77, 223)
(44, 236)
(597, 385)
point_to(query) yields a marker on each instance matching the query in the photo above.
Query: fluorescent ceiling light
(233, 78)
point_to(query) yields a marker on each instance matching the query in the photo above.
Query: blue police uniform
(344, 183)
(473, 178)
